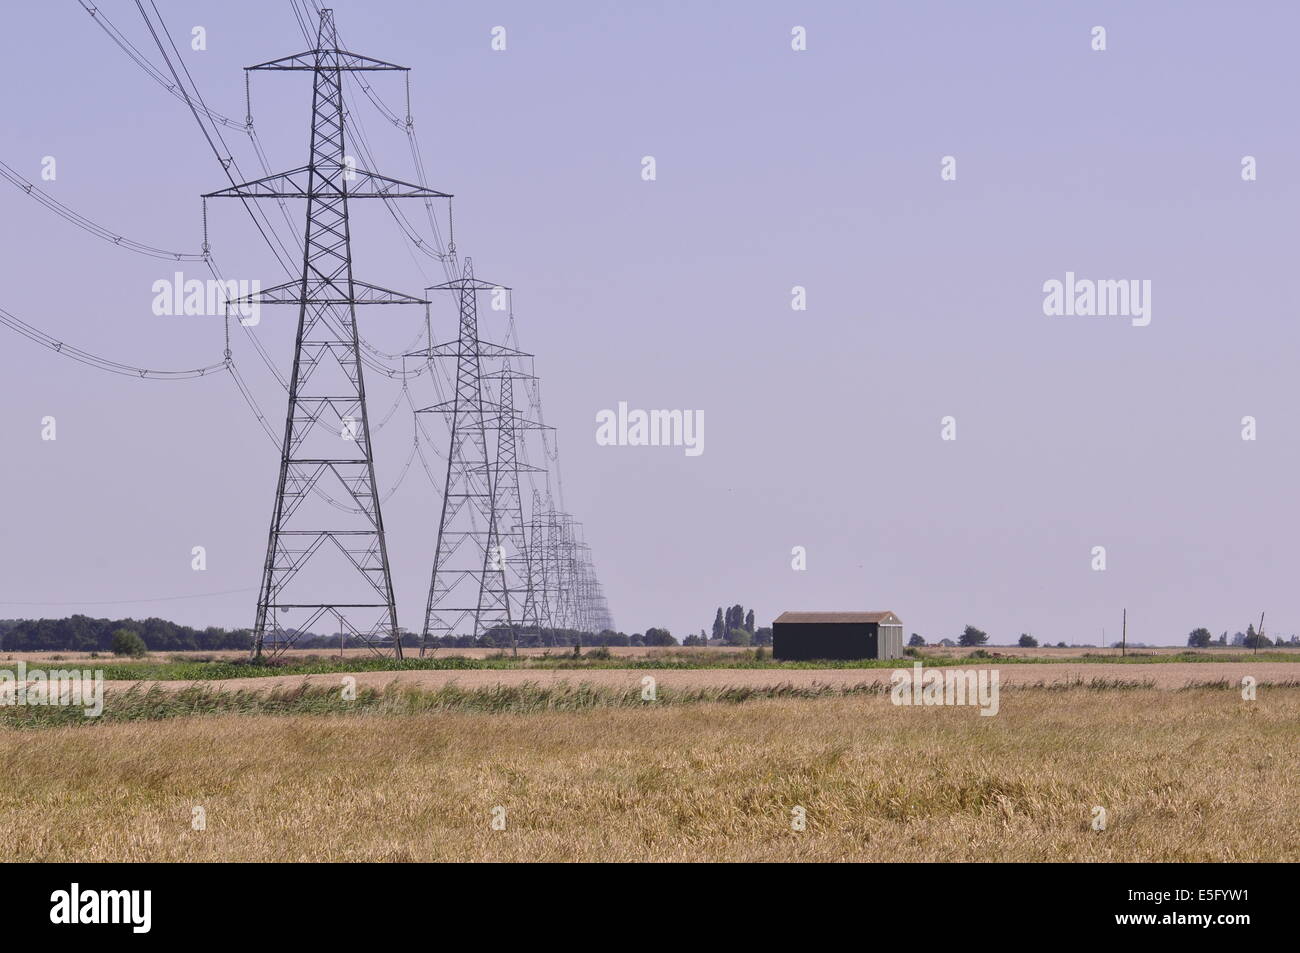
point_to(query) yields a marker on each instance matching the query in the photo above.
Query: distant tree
(81, 633)
(972, 636)
(739, 636)
(1199, 638)
(659, 637)
(693, 640)
(608, 637)
(1256, 640)
(1060, 645)
(763, 636)
(126, 642)
(749, 621)
(916, 640)
(1027, 641)
(719, 629)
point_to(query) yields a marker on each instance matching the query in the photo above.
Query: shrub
(657, 636)
(126, 642)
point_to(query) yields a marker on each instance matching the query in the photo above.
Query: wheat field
(1196, 775)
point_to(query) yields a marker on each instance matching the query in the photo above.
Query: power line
(200, 107)
(211, 123)
(94, 360)
(94, 228)
(140, 60)
(327, 296)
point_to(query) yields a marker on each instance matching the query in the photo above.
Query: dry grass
(1198, 775)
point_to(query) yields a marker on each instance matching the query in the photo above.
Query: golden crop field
(1190, 775)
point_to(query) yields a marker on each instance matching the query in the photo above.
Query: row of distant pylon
(496, 570)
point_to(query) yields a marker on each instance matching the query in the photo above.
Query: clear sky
(775, 168)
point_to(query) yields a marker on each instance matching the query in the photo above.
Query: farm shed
(837, 635)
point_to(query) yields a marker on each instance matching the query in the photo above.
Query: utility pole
(1123, 643)
(1259, 636)
(323, 564)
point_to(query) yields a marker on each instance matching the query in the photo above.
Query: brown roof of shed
(834, 617)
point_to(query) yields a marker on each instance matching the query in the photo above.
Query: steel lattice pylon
(564, 570)
(516, 549)
(468, 591)
(327, 455)
(538, 557)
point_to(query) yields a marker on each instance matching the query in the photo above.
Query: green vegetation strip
(156, 704)
(216, 669)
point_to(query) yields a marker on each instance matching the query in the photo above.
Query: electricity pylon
(516, 550)
(468, 590)
(564, 546)
(539, 566)
(323, 564)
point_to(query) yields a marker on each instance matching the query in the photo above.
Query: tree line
(529, 637)
(1250, 639)
(733, 626)
(1199, 638)
(80, 633)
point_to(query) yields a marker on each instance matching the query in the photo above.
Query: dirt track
(1167, 675)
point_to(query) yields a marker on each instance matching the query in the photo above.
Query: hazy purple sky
(775, 168)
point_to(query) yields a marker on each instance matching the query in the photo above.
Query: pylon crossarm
(291, 293)
(334, 59)
(468, 284)
(331, 182)
(485, 349)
